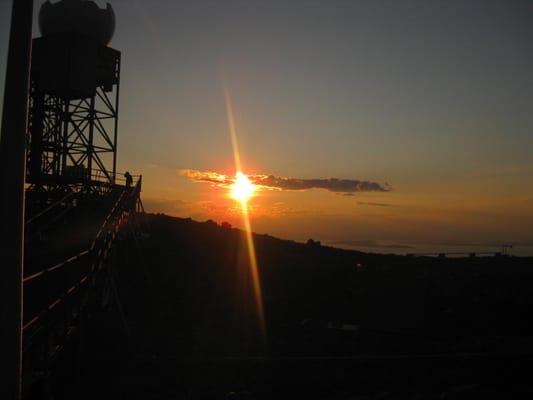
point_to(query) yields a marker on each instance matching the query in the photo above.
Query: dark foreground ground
(339, 324)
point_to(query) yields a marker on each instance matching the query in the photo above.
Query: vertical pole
(35, 155)
(57, 138)
(12, 177)
(64, 141)
(90, 149)
(115, 138)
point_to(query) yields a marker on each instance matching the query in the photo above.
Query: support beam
(12, 177)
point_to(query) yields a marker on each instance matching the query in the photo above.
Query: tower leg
(12, 177)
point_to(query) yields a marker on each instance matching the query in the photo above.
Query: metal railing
(74, 273)
(99, 176)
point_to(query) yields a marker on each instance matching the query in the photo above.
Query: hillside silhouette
(339, 323)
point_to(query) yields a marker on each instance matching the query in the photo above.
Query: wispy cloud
(207, 177)
(335, 185)
(373, 204)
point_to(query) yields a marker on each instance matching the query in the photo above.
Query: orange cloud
(335, 185)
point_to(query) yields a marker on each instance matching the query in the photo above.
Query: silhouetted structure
(75, 80)
(75, 207)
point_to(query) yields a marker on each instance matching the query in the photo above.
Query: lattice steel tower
(75, 80)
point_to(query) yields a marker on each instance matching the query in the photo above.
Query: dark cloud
(331, 184)
(335, 185)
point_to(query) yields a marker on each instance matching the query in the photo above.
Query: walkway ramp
(68, 250)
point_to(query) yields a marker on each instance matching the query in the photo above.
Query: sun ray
(242, 190)
(232, 129)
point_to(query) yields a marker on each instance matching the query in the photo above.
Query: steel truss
(73, 142)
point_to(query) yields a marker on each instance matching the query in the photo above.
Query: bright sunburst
(242, 189)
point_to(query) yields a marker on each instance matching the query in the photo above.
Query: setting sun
(242, 188)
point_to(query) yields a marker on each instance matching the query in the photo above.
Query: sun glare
(242, 188)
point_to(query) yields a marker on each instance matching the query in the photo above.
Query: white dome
(77, 16)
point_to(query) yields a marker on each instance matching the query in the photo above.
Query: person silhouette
(129, 178)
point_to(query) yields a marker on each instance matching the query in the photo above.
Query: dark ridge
(339, 323)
